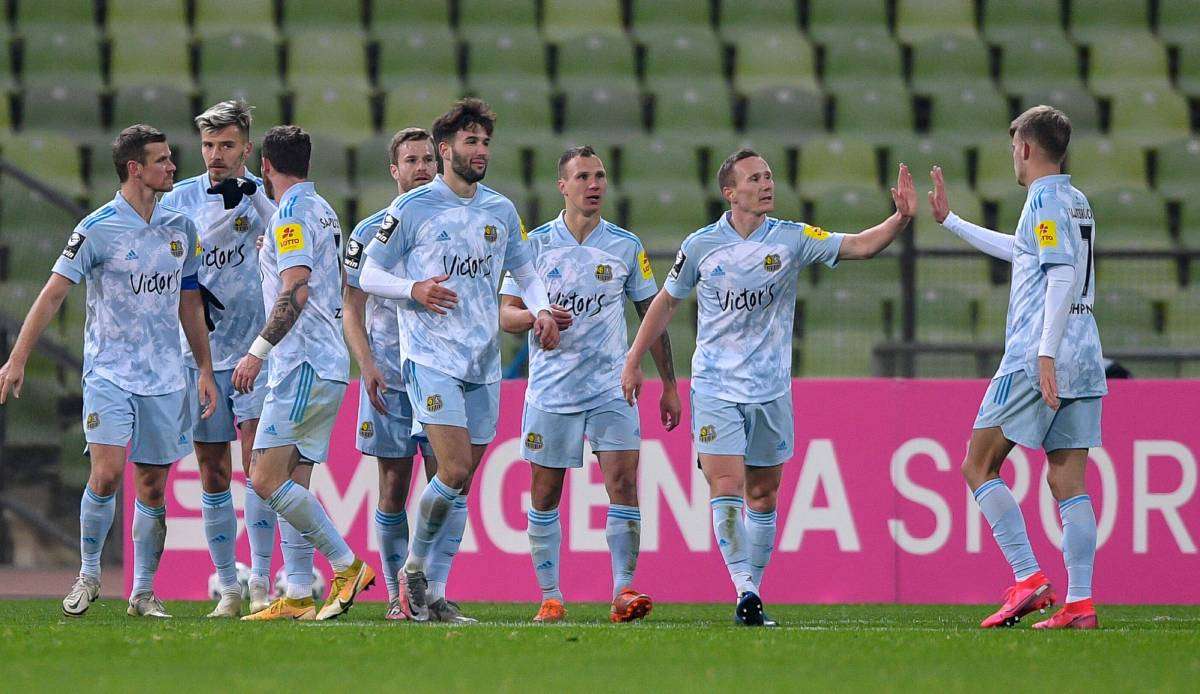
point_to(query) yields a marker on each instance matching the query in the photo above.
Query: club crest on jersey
(241, 224)
(771, 263)
(93, 420)
(366, 431)
(177, 249)
(708, 433)
(386, 228)
(534, 441)
(816, 233)
(1047, 233)
(73, 244)
(288, 238)
(604, 272)
(433, 403)
(489, 233)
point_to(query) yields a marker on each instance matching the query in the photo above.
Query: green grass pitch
(689, 648)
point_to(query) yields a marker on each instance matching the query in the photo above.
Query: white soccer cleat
(230, 605)
(146, 605)
(260, 594)
(412, 595)
(84, 592)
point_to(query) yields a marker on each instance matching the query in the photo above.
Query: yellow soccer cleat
(345, 586)
(285, 608)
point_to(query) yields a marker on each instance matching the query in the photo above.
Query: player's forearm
(869, 242)
(533, 290)
(191, 319)
(286, 311)
(993, 243)
(263, 205)
(654, 325)
(377, 280)
(354, 326)
(660, 350)
(45, 306)
(514, 317)
(1060, 280)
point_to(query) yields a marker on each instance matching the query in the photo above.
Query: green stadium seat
(71, 109)
(334, 110)
(506, 166)
(372, 159)
(588, 60)
(242, 61)
(223, 17)
(188, 158)
(1179, 22)
(917, 20)
(1126, 63)
(505, 56)
(850, 209)
(562, 19)
(663, 215)
(963, 202)
(950, 295)
(329, 164)
(703, 107)
(1012, 21)
(873, 114)
(1126, 288)
(1009, 206)
(656, 17)
(1178, 170)
(391, 18)
(968, 115)
(50, 157)
(680, 55)
(411, 55)
(840, 324)
(994, 175)
(144, 13)
(166, 108)
(1149, 116)
(1097, 162)
(774, 60)
(544, 165)
(373, 196)
(1183, 319)
(1039, 62)
(523, 109)
(1099, 21)
(862, 62)
(1079, 105)
(645, 159)
(310, 16)
(34, 228)
(1189, 225)
(841, 21)
(61, 15)
(1129, 218)
(151, 57)
(788, 113)
(1188, 79)
(614, 113)
(268, 111)
(479, 19)
(59, 57)
(949, 62)
(326, 56)
(419, 104)
(748, 20)
(923, 154)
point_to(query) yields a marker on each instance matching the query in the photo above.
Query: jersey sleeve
(1053, 233)
(518, 251)
(509, 286)
(293, 243)
(815, 245)
(355, 255)
(685, 273)
(394, 238)
(191, 266)
(640, 284)
(79, 255)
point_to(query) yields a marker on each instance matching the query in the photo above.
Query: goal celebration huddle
(224, 309)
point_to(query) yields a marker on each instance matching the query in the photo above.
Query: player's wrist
(261, 348)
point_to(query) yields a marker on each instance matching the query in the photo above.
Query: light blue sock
(297, 561)
(220, 529)
(447, 548)
(760, 530)
(391, 529)
(1008, 527)
(298, 505)
(1078, 544)
(433, 510)
(260, 531)
(95, 519)
(545, 540)
(731, 539)
(623, 530)
(149, 537)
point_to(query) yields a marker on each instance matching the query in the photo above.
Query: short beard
(462, 167)
(268, 188)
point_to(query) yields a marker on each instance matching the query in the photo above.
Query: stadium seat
(873, 114)
(693, 108)
(506, 166)
(1099, 21)
(923, 19)
(239, 61)
(1126, 63)
(922, 155)
(150, 57)
(326, 56)
(587, 60)
(1188, 79)
(1013, 21)
(566, 18)
(479, 19)
(862, 62)
(681, 55)
(523, 109)
(1189, 227)
(1039, 63)
(188, 157)
(1009, 206)
(371, 160)
(645, 159)
(841, 21)
(850, 209)
(747, 20)
(544, 162)
(330, 163)
(224, 17)
(614, 113)
(506, 56)
(267, 112)
(1125, 289)
(1178, 170)
(334, 110)
(166, 108)
(774, 60)
(321, 15)
(1183, 318)
(963, 202)
(1129, 218)
(392, 18)
(994, 176)
(657, 17)
(1095, 162)
(968, 115)
(1179, 22)
(789, 113)
(950, 293)
(69, 16)
(49, 157)
(1149, 116)
(34, 228)
(840, 323)
(949, 62)
(833, 163)
(418, 104)
(58, 57)
(411, 55)
(1079, 105)
(373, 195)
(70, 109)
(122, 14)
(664, 214)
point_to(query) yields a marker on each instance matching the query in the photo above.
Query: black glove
(232, 190)
(210, 301)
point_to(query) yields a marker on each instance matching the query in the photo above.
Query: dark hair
(405, 135)
(288, 148)
(130, 145)
(462, 115)
(574, 153)
(1047, 127)
(725, 173)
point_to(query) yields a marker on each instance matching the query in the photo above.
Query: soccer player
(300, 266)
(140, 262)
(384, 413)
(744, 269)
(460, 236)
(589, 266)
(1047, 392)
(231, 209)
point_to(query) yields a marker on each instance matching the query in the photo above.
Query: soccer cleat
(303, 609)
(84, 592)
(395, 611)
(629, 606)
(412, 595)
(345, 586)
(768, 622)
(230, 604)
(260, 594)
(1034, 593)
(1080, 614)
(551, 611)
(442, 610)
(749, 610)
(146, 605)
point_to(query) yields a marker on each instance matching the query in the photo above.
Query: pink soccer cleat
(1034, 593)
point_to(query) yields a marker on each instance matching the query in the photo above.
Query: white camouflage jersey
(228, 268)
(134, 274)
(434, 232)
(305, 232)
(1056, 228)
(746, 294)
(383, 326)
(591, 280)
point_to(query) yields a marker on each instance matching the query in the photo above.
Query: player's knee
(727, 485)
(761, 499)
(264, 483)
(104, 482)
(214, 478)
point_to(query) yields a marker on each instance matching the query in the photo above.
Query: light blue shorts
(232, 408)
(1016, 406)
(761, 432)
(300, 412)
(388, 435)
(553, 439)
(156, 427)
(439, 398)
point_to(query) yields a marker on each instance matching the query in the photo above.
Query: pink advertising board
(872, 506)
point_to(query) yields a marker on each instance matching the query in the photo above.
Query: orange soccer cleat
(551, 611)
(1080, 614)
(1034, 593)
(630, 605)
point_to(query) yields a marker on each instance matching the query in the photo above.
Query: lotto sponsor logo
(1047, 233)
(489, 233)
(534, 441)
(289, 238)
(772, 262)
(604, 272)
(365, 430)
(644, 264)
(708, 433)
(177, 249)
(433, 403)
(816, 232)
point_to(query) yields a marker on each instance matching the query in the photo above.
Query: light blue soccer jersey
(591, 280)
(134, 274)
(1056, 228)
(746, 291)
(383, 326)
(305, 232)
(434, 232)
(228, 268)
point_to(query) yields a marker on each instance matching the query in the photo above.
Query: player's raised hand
(432, 295)
(12, 376)
(372, 378)
(905, 193)
(1048, 381)
(562, 317)
(631, 382)
(545, 328)
(245, 373)
(937, 197)
(668, 407)
(207, 388)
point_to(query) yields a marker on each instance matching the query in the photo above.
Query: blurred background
(834, 93)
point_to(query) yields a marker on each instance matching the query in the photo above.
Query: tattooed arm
(668, 406)
(291, 300)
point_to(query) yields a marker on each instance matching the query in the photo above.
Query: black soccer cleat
(749, 610)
